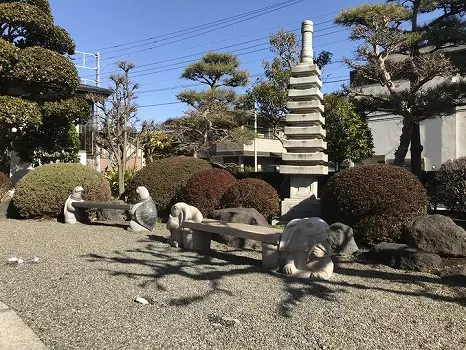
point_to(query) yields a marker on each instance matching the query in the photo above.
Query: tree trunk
(405, 140)
(121, 181)
(416, 151)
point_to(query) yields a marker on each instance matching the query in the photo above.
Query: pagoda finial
(307, 55)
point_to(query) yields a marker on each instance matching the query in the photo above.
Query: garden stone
(341, 239)
(248, 216)
(402, 256)
(436, 234)
(104, 214)
(455, 274)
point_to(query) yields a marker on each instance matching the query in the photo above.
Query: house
(268, 148)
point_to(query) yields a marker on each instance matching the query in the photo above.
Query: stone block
(305, 94)
(308, 146)
(306, 82)
(311, 158)
(316, 131)
(305, 69)
(300, 208)
(314, 118)
(305, 106)
(304, 169)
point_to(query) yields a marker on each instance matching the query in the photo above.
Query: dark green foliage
(252, 193)
(42, 192)
(5, 184)
(375, 200)
(40, 70)
(205, 188)
(449, 185)
(278, 181)
(34, 71)
(164, 179)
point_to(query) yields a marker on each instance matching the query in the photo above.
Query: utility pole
(95, 121)
(255, 137)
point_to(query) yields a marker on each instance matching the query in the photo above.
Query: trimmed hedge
(164, 178)
(375, 200)
(205, 188)
(449, 185)
(43, 191)
(253, 193)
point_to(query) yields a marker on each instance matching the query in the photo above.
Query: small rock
(35, 260)
(15, 261)
(341, 239)
(223, 321)
(142, 301)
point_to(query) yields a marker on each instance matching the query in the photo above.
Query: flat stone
(308, 146)
(306, 82)
(305, 118)
(304, 169)
(304, 69)
(305, 106)
(316, 157)
(402, 256)
(305, 94)
(316, 131)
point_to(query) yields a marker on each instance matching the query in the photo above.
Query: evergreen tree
(402, 49)
(215, 114)
(38, 105)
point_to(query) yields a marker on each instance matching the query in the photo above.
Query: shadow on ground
(164, 260)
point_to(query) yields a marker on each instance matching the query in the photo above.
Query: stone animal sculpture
(305, 250)
(179, 213)
(143, 213)
(72, 215)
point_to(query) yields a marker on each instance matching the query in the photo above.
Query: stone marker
(304, 131)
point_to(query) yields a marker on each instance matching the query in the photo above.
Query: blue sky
(155, 36)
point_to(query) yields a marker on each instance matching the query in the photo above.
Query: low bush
(43, 191)
(112, 177)
(5, 184)
(205, 188)
(164, 179)
(449, 185)
(375, 200)
(252, 193)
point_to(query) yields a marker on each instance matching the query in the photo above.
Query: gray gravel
(81, 296)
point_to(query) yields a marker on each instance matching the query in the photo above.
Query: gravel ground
(80, 295)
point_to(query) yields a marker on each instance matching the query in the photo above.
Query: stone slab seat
(270, 237)
(101, 205)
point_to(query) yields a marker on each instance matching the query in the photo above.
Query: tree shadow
(165, 261)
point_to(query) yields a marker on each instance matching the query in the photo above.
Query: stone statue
(304, 247)
(179, 213)
(143, 213)
(72, 214)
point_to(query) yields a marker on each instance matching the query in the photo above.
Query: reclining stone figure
(305, 250)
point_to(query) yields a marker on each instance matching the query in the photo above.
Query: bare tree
(118, 116)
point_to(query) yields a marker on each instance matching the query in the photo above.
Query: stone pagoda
(304, 134)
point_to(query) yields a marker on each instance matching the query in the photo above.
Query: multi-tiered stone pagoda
(304, 131)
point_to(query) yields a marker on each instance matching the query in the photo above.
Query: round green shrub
(449, 185)
(5, 184)
(164, 179)
(43, 191)
(205, 188)
(375, 200)
(252, 193)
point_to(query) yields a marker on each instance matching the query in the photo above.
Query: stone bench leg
(197, 241)
(270, 256)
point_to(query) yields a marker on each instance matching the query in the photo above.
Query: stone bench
(268, 236)
(299, 250)
(143, 213)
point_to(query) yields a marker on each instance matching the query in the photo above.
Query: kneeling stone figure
(72, 216)
(304, 247)
(179, 213)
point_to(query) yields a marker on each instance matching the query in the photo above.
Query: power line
(204, 32)
(178, 102)
(155, 70)
(223, 20)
